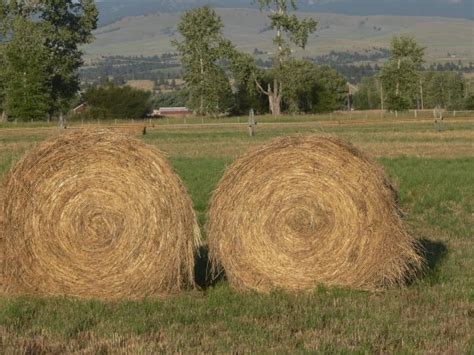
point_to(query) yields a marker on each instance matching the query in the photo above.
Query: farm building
(80, 109)
(172, 112)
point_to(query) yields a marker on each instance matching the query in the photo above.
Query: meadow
(434, 173)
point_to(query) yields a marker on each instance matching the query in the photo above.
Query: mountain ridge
(113, 10)
(152, 34)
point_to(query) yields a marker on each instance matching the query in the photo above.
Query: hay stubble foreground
(302, 211)
(96, 215)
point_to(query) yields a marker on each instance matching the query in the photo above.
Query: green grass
(200, 176)
(434, 314)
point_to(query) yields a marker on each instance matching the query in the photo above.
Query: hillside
(151, 34)
(113, 10)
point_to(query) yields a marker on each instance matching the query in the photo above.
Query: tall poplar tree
(27, 91)
(289, 30)
(202, 50)
(401, 76)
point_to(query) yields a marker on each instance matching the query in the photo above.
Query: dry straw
(303, 211)
(97, 215)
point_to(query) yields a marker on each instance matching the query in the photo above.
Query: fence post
(252, 123)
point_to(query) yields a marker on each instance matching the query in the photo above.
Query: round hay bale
(97, 215)
(302, 211)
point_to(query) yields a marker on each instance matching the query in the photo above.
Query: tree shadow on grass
(433, 253)
(204, 276)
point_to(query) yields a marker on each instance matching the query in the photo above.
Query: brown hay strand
(97, 215)
(302, 211)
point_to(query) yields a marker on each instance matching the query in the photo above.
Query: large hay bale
(303, 211)
(97, 215)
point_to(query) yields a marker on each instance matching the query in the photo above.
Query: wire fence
(337, 116)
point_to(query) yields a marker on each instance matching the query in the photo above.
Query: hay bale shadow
(433, 253)
(203, 274)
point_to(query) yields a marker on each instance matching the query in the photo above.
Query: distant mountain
(445, 38)
(443, 8)
(113, 10)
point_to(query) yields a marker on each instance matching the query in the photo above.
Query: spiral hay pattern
(303, 211)
(97, 215)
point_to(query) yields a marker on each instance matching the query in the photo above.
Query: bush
(112, 101)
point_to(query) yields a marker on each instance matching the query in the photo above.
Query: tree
(65, 25)
(400, 76)
(3, 64)
(175, 98)
(203, 50)
(469, 102)
(112, 101)
(444, 89)
(27, 93)
(297, 32)
(368, 96)
(312, 88)
(245, 72)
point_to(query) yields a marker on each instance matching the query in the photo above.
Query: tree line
(211, 63)
(120, 69)
(221, 80)
(402, 83)
(40, 58)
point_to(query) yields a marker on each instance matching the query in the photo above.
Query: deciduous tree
(203, 50)
(65, 26)
(112, 101)
(400, 76)
(27, 90)
(289, 30)
(312, 88)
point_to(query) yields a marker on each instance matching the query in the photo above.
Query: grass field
(434, 172)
